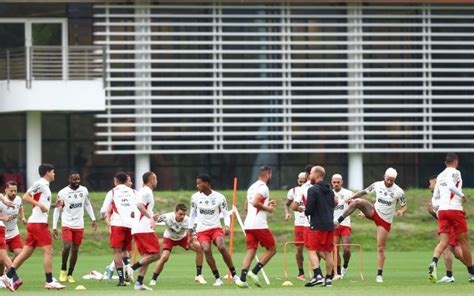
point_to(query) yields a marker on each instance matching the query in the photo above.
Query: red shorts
(299, 234)
(168, 243)
(72, 235)
(453, 239)
(262, 236)
(147, 243)
(38, 235)
(321, 240)
(452, 220)
(14, 243)
(380, 222)
(3, 243)
(120, 238)
(342, 231)
(209, 235)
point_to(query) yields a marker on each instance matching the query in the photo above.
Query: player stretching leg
(256, 227)
(206, 207)
(388, 194)
(176, 235)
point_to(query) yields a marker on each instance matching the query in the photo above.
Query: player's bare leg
(67, 245)
(359, 204)
(161, 263)
(5, 261)
(346, 240)
(337, 241)
(16, 252)
(317, 278)
(73, 261)
(220, 244)
(23, 256)
(142, 265)
(448, 262)
(119, 266)
(196, 247)
(300, 260)
(206, 248)
(442, 245)
(382, 238)
(329, 257)
(466, 249)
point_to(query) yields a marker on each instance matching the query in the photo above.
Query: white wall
(52, 96)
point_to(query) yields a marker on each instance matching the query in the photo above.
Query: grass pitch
(405, 274)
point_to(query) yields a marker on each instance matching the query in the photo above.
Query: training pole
(135, 251)
(232, 224)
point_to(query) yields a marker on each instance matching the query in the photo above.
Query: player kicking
(300, 223)
(72, 200)
(342, 234)
(37, 231)
(454, 245)
(451, 215)
(388, 194)
(206, 207)
(176, 235)
(143, 229)
(122, 199)
(256, 227)
(16, 210)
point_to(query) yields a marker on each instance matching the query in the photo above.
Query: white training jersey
(300, 218)
(11, 227)
(74, 203)
(206, 209)
(448, 182)
(257, 219)
(122, 199)
(342, 206)
(386, 199)
(141, 223)
(174, 230)
(300, 199)
(41, 193)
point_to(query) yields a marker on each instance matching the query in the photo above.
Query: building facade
(223, 87)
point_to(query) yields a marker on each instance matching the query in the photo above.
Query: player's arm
(431, 211)
(56, 214)
(257, 203)
(225, 216)
(192, 218)
(90, 212)
(21, 212)
(104, 210)
(403, 206)
(27, 197)
(6, 201)
(143, 211)
(287, 205)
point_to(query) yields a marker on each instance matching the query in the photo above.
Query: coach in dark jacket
(320, 209)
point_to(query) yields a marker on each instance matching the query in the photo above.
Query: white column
(142, 165)
(356, 171)
(33, 146)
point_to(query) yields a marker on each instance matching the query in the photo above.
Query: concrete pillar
(356, 171)
(33, 146)
(142, 165)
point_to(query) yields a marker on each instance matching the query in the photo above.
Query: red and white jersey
(206, 209)
(41, 193)
(11, 227)
(300, 199)
(123, 202)
(300, 218)
(342, 205)
(141, 223)
(174, 230)
(257, 219)
(447, 183)
(386, 199)
(74, 203)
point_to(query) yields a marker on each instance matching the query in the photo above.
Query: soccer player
(454, 246)
(320, 210)
(176, 235)
(143, 229)
(388, 194)
(123, 201)
(72, 200)
(5, 261)
(37, 231)
(451, 215)
(12, 235)
(342, 234)
(256, 227)
(300, 223)
(206, 207)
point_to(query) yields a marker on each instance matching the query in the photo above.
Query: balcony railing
(52, 63)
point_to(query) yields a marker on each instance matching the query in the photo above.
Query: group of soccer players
(322, 219)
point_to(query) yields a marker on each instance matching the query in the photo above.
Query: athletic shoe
(54, 285)
(218, 283)
(17, 283)
(142, 287)
(432, 272)
(200, 279)
(327, 283)
(471, 278)
(343, 272)
(62, 276)
(314, 281)
(301, 277)
(108, 273)
(70, 279)
(152, 283)
(240, 283)
(122, 284)
(337, 277)
(8, 282)
(446, 279)
(254, 278)
(129, 274)
(379, 279)
(2, 285)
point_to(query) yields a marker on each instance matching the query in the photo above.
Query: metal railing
(52, 63)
